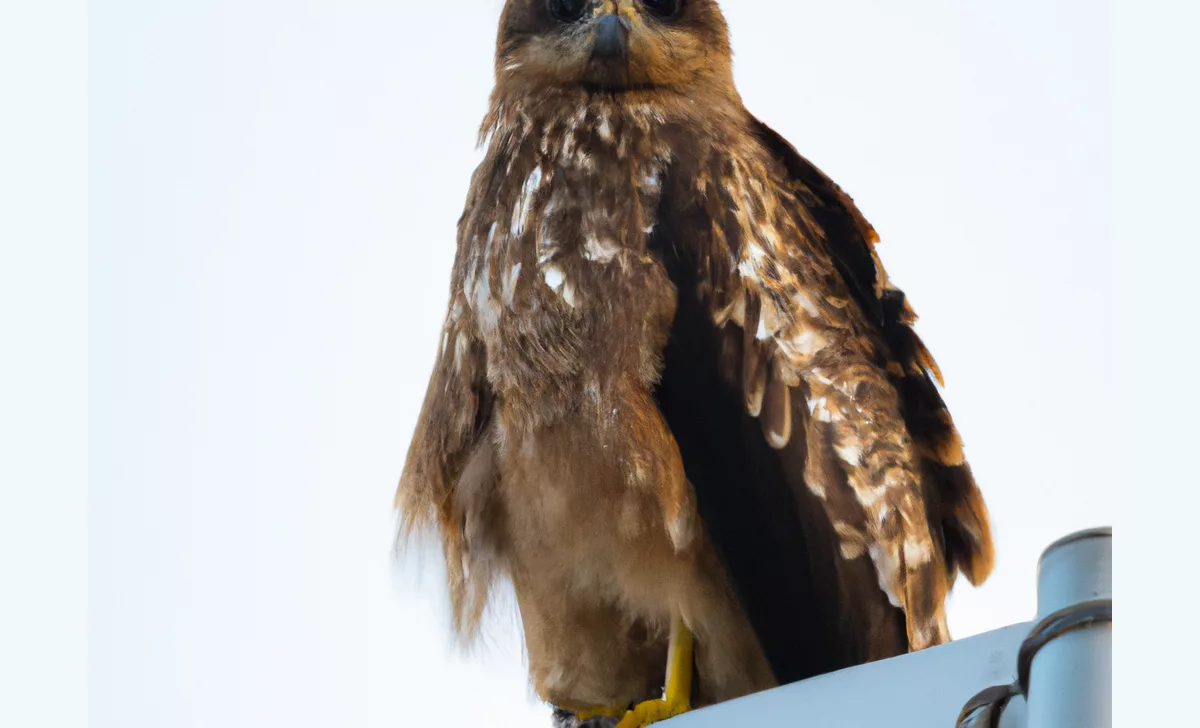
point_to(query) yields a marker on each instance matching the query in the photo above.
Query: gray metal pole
(1066, 663)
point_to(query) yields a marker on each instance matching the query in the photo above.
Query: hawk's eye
(568, 11)
(663, 8)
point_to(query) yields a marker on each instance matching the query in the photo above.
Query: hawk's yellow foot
(651, 711)
(677, 696)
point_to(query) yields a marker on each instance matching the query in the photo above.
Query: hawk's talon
(651, 711)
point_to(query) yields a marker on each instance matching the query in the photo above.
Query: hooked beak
(612, 39)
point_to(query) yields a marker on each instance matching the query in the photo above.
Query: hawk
(677, 403)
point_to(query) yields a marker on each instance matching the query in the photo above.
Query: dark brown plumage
(675, 380)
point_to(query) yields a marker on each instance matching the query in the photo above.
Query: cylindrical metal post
(1066, 663)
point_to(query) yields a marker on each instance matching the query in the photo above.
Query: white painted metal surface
(1070, 683)
(925, 689)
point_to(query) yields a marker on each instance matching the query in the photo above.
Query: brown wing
(818, 348)
(813, 611)
(956, 508)
(449, 475)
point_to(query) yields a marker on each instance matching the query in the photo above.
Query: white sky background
(274, 190)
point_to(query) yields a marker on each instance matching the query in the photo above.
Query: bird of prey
(678, 403)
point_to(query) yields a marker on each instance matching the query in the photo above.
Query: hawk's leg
(677, 696)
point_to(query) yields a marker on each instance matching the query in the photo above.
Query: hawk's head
(614, 45)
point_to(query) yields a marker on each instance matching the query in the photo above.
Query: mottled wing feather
(812, 611)
(950, 486)
(851, 237)
(822, 323)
